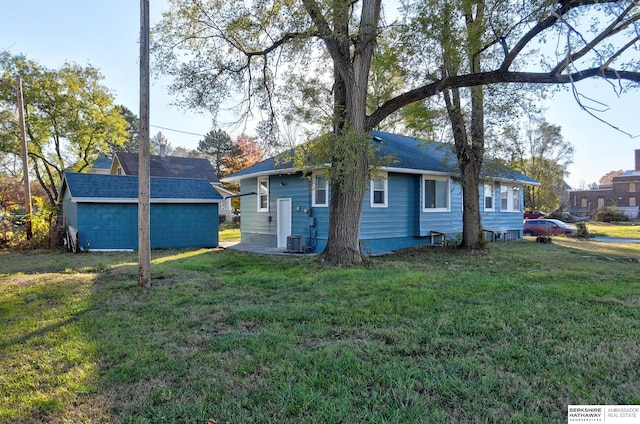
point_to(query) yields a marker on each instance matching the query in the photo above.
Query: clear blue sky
(105, 34)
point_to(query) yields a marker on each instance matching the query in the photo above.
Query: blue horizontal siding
(399, 219)
(261, 227)
(402, 224)
(445, 222)
(499, 220)
(115, 226)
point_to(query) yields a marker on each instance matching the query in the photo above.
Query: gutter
(239, 195)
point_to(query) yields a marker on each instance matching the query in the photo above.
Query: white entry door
(283, 222)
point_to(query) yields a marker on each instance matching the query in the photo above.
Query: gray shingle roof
(407, 153)
(170, 166)
(111, 187)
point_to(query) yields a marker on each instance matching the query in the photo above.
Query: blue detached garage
(102, 211)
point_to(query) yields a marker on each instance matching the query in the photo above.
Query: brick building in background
(624, 193)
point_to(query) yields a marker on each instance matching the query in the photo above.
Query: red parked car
(533, 214)
(547, 227)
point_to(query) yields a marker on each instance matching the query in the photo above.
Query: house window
(378, 190)
(632, 187)
(509, 198)
(320, 190)
(436, 194)
(504, 198)
(120, 171)
(600, 202)
(583, 202)
(488, 197)
(632, 201)
(263, 194)
(516, 198)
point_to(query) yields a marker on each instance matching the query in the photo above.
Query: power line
(180, 131)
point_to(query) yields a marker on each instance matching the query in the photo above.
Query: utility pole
(25, 163)
(144, 160)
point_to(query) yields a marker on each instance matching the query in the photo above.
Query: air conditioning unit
(295, 244)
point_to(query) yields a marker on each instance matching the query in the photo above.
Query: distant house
(166, 166)
(103, 211)
(417, 199)
(102, 165)
(622, 193)
(174, 167)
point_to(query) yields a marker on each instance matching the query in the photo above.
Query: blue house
(103, 211)
(415, 200)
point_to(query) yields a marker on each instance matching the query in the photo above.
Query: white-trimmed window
(320, 190)
(378, 190)
(488, 198)
(510, 198)
(263, 194)
(436, 194)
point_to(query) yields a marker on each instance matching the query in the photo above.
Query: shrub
(46, 232)
(610, 214)
(222, 219)
(582, 232)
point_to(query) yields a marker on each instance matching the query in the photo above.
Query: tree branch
(492, 77)
(544, 24)
(610, 31)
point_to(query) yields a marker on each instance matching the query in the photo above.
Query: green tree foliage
(313, 59)
(70, 118)
(132, 142)
(539, 151)
(218, 147)
(610, 214)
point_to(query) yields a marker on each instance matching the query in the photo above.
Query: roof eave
(287, 171)
(135, 200)
(290, 171)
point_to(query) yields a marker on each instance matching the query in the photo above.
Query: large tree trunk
(472, 237)
(351, 149)
(470, 148)
(345, 210)
(347, 188)
(470, 155)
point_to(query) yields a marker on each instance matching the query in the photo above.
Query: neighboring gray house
(103, 211)
(175, 167)
(415, 200)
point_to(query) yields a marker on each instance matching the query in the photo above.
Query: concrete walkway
(235, 245)
(616, 240)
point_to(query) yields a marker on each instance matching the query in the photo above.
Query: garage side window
(263, 194)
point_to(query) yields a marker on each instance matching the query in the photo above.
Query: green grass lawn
(511, 334)
(232, 234)
(617, 229)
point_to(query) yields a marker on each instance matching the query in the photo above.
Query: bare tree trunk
(472, 224)
(352, 144)
(469, 148)
(345, 211)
